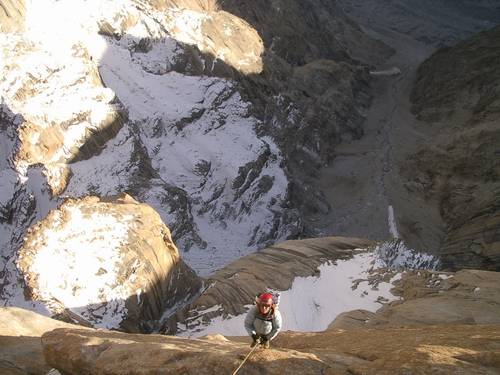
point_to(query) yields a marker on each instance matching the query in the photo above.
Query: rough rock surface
(87, 139)
(20, 344)
(12, 15)
(430, 298)
(111, 262)
(433, 349)
(459, 168)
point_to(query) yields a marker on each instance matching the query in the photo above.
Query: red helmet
(265, 299)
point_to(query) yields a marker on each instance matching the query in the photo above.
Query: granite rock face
(459, 169)
(107, 262)
(20, 344)
(443, 349)
(432, 298)
(12, 14)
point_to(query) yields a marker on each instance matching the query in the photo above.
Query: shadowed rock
(458, 169)
(20, 344)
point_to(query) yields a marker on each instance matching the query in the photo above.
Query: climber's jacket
(263, 325)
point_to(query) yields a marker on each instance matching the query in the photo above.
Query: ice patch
(393, 229)
(395, 254)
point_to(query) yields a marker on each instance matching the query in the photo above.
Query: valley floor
(363, 183)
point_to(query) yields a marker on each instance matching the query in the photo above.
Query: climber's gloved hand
(255, 339)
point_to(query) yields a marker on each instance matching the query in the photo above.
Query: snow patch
(77, 262)
(395, 254)
(393, 229)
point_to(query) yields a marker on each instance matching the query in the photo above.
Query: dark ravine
(459, 168)
(390, 164)
(313, 92)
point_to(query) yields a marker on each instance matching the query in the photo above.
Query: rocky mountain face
(230, 290)
(194, 107)
(104, 262)
(415, 167)
(220, 119)
(301, 274)
(433, 298)
(458, 168)
(314, 85)
(442, 322)
(438, 322)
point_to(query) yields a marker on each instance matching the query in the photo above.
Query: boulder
(110, 262)
(351, 319)
(21, 347)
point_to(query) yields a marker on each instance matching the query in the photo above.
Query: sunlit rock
(110, 262)
(451, 349)
(66, 112)
(12, 15)
(433, 298)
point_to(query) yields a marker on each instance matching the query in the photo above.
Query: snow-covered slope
(111, 97)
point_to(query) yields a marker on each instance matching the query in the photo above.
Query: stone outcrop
(431, 298)
(20, 344)
(108, 262)
(459, 168)
(433, 349)
(47, 133)
(12, 15)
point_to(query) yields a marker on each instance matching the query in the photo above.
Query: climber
(263, 321)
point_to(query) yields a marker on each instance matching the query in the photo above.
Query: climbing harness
(244, 360)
